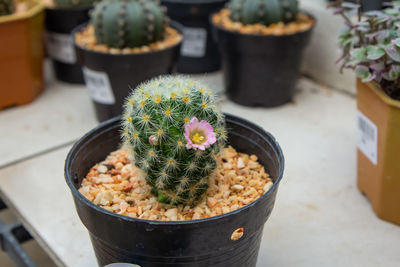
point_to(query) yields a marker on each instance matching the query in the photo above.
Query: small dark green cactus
(175, 131)
(7, 7)
(128, 23)
(74, 3)
(263, 11)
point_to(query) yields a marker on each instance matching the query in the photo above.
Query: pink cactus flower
(199, 135)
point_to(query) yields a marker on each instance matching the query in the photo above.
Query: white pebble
(240, 163)
(267, 186)
(171, 213)
(237, 187)
(102, 169)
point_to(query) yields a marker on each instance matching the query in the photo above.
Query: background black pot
(59, 44)
(195, 243)
(110, 77)
(261, 70)
(199, 52)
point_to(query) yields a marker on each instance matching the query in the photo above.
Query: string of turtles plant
(129, 23)
(263, 11)
(7, 7)
(371, 44)
(175, 131)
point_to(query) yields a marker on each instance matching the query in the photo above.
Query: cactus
(74, 3)
(128, 23)
(7, 7)
(263, 11)
(174, 130)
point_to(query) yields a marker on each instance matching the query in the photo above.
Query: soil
(86, 39)
(302, 23)
(118, 186)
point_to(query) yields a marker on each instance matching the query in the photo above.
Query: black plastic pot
(195, 243)
(110, 77)
(261, 70)
(199, 52)
(60, 47)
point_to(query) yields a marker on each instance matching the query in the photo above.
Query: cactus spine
(263, 11)
(74, 3)
(156, 122)
(128, 23)
(7, 7)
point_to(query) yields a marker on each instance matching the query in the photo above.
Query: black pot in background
(110, 77)
(195, 243)
(199, 52)
(59, 44)
(261, 70)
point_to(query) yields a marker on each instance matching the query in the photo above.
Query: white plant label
(60, 47)
(194, 42)
(99, 86)
(367, 137)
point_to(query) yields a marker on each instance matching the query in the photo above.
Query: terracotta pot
(378, 151)
(21, 55)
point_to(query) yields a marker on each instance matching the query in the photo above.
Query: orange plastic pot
(21, 55)
(378, 167)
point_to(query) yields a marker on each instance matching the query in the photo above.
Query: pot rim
(35, 9)
(104, 125)
(177, 26)
(74, 8)
(252, 35)
(376, 88)
(194, 2)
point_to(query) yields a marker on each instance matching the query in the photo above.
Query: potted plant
(199, 52)
(262, 43)
(119, 50)
(371, 46)
(174, 195)
(21, 51)
(62, 16)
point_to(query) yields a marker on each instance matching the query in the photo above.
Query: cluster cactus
(74, 3)
(7, 7)
(174, 130)
(263, 11)
(128, 23)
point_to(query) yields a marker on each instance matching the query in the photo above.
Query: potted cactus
(118, 52)
(166, 208)
(371, 46)
(62, 16)
(262, 43)
(21, 51)
(199, 52)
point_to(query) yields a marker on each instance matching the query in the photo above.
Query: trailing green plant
(371, 44)
(128, 23)
(74, 3)
(263, 11)
(7, 7)
(174, 130)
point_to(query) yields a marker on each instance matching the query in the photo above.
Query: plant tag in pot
(194, 42)
(60, 47)
(367, 137)
(99, 86)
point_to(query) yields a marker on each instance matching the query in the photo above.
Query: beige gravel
(118, 186)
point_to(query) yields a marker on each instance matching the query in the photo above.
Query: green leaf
(363, 73)
(396, 42)
(375, 52)
(358, 54)
(393, 53)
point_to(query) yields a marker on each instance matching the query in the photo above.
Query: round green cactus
(175, 131)
(263, 11)
(128, 23)
(7, 7)
(74, 3)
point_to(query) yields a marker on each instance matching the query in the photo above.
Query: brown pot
(21, 55)
(379, 150)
